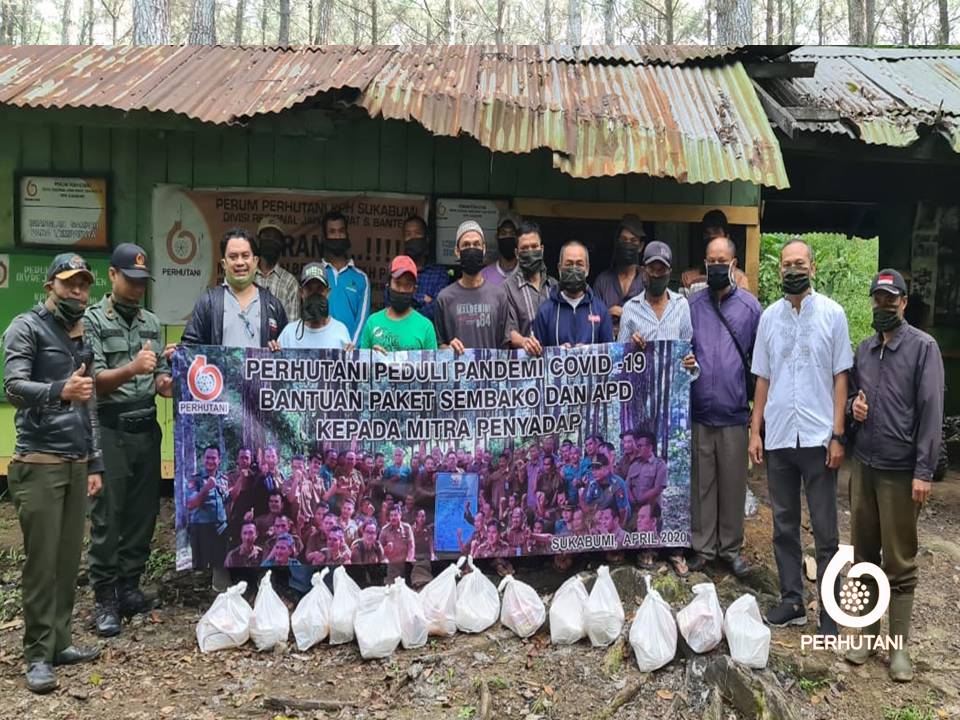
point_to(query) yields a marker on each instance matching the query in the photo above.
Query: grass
(812, 687)
(908, 712)
(466, 712)
(159, 562)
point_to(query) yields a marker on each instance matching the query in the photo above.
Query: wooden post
(753, 258)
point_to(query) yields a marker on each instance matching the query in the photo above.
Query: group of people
(84, 373)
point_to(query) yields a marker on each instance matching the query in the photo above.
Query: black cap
(600, 461)
(890, 281)
(66, 265)
(131, 260)
(658, 251)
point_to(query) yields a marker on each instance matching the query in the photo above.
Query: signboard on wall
(68, 212)
(188, 224)
(453, 211)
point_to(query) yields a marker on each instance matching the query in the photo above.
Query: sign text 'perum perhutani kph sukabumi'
(326, 457)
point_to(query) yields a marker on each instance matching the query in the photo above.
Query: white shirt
(297, 336)
(800, 353)
(639, 317)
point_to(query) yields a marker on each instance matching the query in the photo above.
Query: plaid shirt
(285, 288)
(430, 281)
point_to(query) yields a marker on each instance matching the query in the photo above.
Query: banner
(188, 225)
(325, 457)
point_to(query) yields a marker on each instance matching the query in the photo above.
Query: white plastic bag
(311, 620)
(522, 609)
(701, 621)
(413, 623)
(227, 623)
(478, 602)
(653, 634)
(270, 623)
(440, 602)
(747, 636)
(343, 609)
(377, 624)
(566, 612)
(604, 616)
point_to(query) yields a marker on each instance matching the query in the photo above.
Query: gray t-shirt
(477, 316)
(241, 328)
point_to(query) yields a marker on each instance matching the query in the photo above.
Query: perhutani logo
(205, 382)
(855, 596)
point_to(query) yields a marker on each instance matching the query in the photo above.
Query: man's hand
(616, 311)
(248, 515)
(315, 558)
(273, 345)
(532, 346)
(689, 362)
(834, 455)
(95, 485)
(380, 349)
(146, 360)
(349, 347)
(756, 449)
(164, 385)
(208, 485)
(921, 490)
(860, 407)
(79, 388)
(638, 340)
(168, 350)
(457, 346)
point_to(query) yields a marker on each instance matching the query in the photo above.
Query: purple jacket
(719, 397)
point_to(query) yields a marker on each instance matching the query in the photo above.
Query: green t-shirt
(414, 332)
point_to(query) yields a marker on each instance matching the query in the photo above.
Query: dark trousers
(123, 515)
(51, 505)
(718, 489)
(788, 471)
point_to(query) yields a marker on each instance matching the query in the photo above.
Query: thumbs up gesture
(146, 360)
(78, 388)
(860, 407)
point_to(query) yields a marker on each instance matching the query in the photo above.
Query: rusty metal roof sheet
(681, 112)
(883, 96)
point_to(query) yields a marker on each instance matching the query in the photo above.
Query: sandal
(679, 563)
(647, 560)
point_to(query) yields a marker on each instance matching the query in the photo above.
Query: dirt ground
(154, 669)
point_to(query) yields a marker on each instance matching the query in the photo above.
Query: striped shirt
(285, 287)
(639, 317)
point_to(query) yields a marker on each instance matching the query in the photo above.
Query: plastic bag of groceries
(413, 622)
(701, 621)
(310, 621)
(478, 602)
(227, 623)
(747, 636)
(270, 623)
(604, 616)
(377, 624)
(522, 609)
(566, 612)
(343, 609)
(653, 634)
(440, 602)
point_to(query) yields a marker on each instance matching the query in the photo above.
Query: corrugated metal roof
(883, 96)
(602, 110)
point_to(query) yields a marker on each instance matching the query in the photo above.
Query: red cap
(403, 264)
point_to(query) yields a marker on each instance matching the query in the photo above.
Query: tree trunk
(944, 22)
(283, 36)
(608, 22)
(149, 22)
(906, 15)
(870, 21)
(263, 23)
(573, 22)
(734, 22)
(24, 22)
(547, 25)
(779, 21)
(374, 22)
(86, 31)
(498, 32)
(356, 24)
(238, 22)
(6, 23)
(323, 22)
(819, 22)
(202, 27)
(669, 8)
(855, 21)
(769, 22)
(709, 9)
(65, 23)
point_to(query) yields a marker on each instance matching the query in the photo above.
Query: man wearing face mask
(130, 368)
(801, 358)
(505, 267)
(399, 326)
(269, 273)
(56, 463)
(471, 313)
(315, 328)
(725, 320)
(896, 390)
(572, 314)
(349, 285)
(527, 289)
(238, 313)
(623, 281)
(431, 278)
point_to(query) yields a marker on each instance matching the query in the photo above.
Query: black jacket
(205, 326)
(39, 357)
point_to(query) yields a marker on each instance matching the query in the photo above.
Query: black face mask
(69, 311)
(270, 252)
(886, 319)
(338, 247)
(471, 260)
(531, 262)
(573, 280)
(315, 308)
(626, 254)
(795, 282)
(400, 302)
(657, 286)
(507, 246)
(417, 248)
(127, 310)
(718, 277)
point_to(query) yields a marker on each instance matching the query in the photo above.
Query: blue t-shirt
(297, 336)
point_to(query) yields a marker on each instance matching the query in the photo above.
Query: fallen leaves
(665, 694)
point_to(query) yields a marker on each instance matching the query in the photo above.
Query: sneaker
(787, 614)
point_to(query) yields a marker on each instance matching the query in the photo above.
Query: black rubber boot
(106, 616)
(133, 601)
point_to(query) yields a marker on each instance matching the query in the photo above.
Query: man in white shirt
(801, 359)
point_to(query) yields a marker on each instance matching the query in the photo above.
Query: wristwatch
(842, 439)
